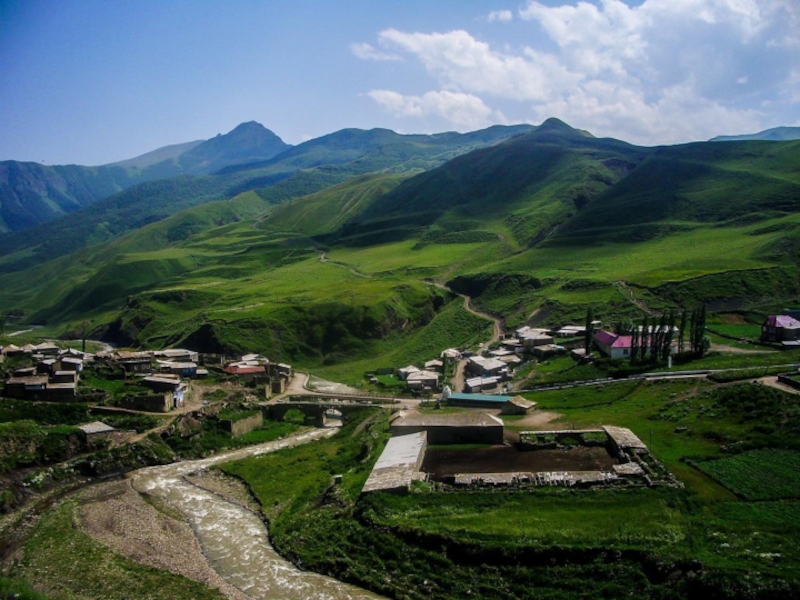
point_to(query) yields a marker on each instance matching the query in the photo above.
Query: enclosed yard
(441, 462)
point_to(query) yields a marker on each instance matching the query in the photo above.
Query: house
(451, 354)
(780, 328)
(613, 345)
(281, 370)
(246, 372)
(39, 387)
(177, 355)
(184, 369)
(71, 363)
(96, 431)
(547, 350)
(47, 349)
(404, 372)
(166, 383)
(420, 380)
(517, 406)
(134, 362)
(434, 365)
(570, 331)
(474, 385)
(457, 428)
(31, 387)
(480, 365)
(533, 339)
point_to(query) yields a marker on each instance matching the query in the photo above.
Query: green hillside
(537, 228)
(301, 170)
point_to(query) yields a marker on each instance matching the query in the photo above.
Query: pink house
(613, 345)
(780, 328)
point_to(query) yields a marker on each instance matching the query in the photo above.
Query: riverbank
(180, 531)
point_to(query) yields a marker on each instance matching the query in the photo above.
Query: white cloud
(503, 16)
(465, 111)
(660, 71)
(368, 52)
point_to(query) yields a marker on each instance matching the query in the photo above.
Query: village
(476, 387)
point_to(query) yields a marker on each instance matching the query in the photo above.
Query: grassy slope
(550, 543)
(209, 277)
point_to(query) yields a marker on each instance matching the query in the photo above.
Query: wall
(243, 426)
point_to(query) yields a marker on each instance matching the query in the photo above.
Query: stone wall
(243, 426)
(150, 402)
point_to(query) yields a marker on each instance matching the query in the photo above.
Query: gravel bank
(117, 516)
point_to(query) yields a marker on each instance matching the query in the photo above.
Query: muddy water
(234, 539)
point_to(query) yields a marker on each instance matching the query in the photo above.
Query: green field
(766, 474)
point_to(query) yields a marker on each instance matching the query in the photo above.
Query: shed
(517, 406)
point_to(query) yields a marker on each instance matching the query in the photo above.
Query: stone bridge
(316, 410)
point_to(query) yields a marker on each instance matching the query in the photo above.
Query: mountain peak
(245, 143)
(554, 124)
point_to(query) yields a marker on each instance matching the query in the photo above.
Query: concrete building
(399, 464)
(490, 367)
(420, 380)
(458, 428)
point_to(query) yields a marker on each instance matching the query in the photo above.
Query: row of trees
(652, 340)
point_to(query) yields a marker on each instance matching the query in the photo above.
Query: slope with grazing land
(300, 170)
(543, 224)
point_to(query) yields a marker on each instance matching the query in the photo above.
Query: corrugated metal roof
(479, 397)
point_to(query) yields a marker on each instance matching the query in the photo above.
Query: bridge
(320, 411)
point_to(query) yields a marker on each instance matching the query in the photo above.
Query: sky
(91, 82)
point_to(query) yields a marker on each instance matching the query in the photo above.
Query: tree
(682, 331)
(634, 345)
(587, 345)
(643, 339)
(666, 342)
(700, 345)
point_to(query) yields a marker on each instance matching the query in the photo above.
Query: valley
(514, 256)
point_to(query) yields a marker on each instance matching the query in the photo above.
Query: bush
(295, 416)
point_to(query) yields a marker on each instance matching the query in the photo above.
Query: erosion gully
(235, 539)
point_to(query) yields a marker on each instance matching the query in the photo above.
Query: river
(234, 539)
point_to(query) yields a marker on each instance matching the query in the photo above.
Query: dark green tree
(682, 331)
(634, 345)
(587, 342)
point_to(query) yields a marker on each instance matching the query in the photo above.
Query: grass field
(765, 474)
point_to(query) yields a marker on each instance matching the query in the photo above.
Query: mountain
(535, 227)
(300, 170)
(33, 194)
(248, 142)
(156, 156)
(777, 134)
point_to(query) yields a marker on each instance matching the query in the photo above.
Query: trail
(457, 381)
(323, 257)
(626, 291)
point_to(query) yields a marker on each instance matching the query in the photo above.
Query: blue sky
(92, 82)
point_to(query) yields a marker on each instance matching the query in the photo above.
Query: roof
(396, 468)
(27, 380)
(490, 364)
(162, 379)
(613, 340)
(521, 402)
(244, 369)
(174, 352)
(480, 397)
(624, 437)
(95, 427)
(783, 321)
(422, 375)
(462, 419)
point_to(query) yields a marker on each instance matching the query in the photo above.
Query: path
(626, 291)
(735, 350)
(773, 382)
(457, 381)
(323, 257)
